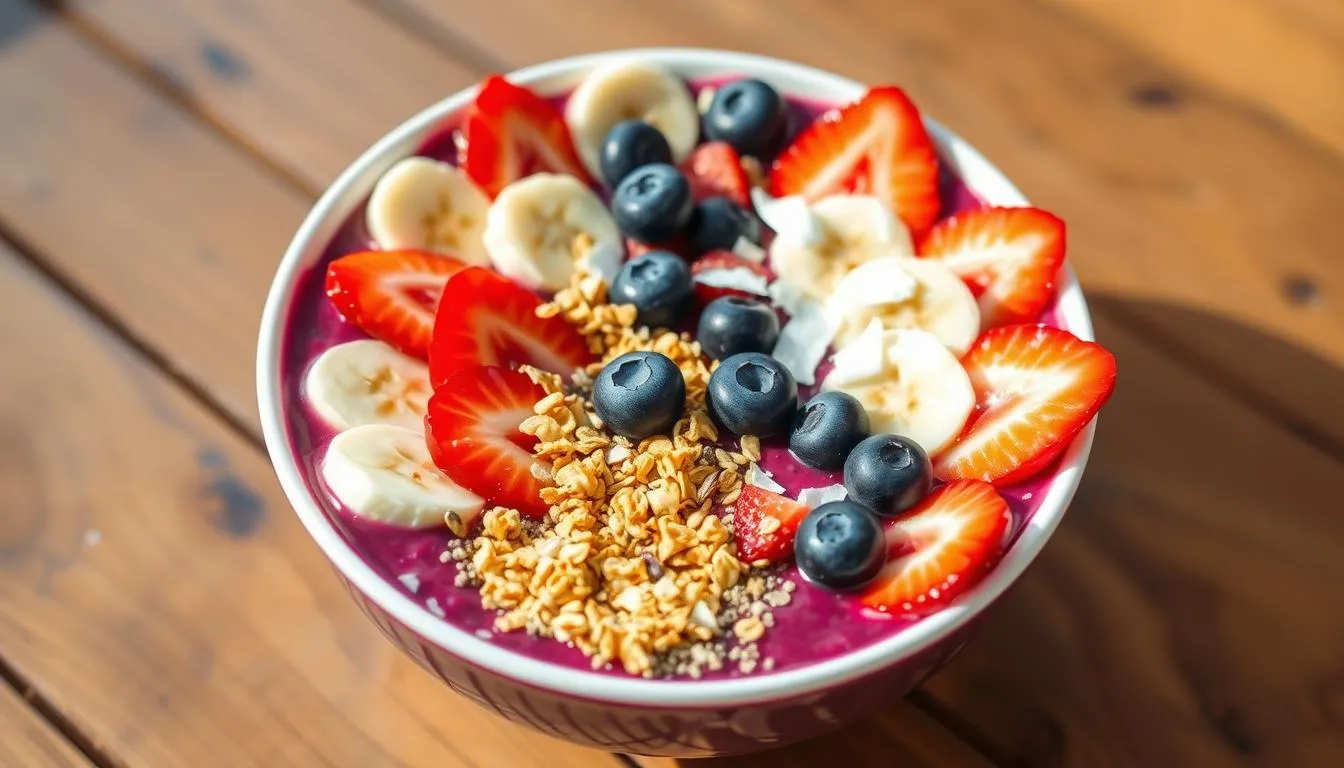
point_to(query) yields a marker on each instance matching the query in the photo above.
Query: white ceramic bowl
(638, 715)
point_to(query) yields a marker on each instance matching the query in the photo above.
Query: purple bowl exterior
(667, 731)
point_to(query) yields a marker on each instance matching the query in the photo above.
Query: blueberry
(749, 115)
(826, 429)
(733, 324)
(717, 223)
(658, 283)
(840, 545)
(752, 394)
(888, 473)
(639, 394)
(628, 146)
(653, 203)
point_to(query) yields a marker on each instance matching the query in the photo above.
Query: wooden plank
(1284, 56)
(307, 83)
(29, 741)
(1174, 198)
(159, 594)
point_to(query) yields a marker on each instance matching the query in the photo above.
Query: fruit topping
(511, 132)
(424, 204)
(722, 273)
(888, 474)
(909, 293)
(631, 90)
(639, 394)
(631, 144)
(764, 524)
(908, 383)
(850, 230)
(1010, 258)
(940, 549)
(840, 545)
(733, 324)
(653, 203)
(472, 431)
(658, 283)
(752, 394)
(749, 115)
(826, 429)
(367, 382)
(1036, 387)
(391, 295)
(875, 146)
(538, 227)
(717, 223)
(486, 319)
(382, 472)
(715, 170)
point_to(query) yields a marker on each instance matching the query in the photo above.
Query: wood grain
(29, 741)
(157, 591)
(1172, 194)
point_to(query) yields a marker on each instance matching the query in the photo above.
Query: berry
(840, 545)
(391, 295)
(826, 429)
(630, 145)
(511, 132)
(652, 203)
(771, 543)
(752, 394)
(639, 394)
(714, 169)
(749, 115)
(888, 474)
(658, 283)
(718, 263)
(733, 324)
(717, 223)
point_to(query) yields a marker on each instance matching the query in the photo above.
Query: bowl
(685, 718)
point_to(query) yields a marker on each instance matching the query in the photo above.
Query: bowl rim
(556, 76)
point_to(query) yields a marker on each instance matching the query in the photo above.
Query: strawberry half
(940, 549)
(758, 539)
(1036, 387)
(511, 132)
(1010, 258)
(715, 260)
(391, 295)
(876, 146)
(487, 319)
(471, 427)
(714, 169)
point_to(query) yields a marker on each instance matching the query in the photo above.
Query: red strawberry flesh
(391, 295)
(723, 260)
(511, 132)
(714, 169)
(764, 524)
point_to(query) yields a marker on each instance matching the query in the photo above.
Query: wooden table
(160, 605)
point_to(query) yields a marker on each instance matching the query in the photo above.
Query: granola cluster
(632, 560)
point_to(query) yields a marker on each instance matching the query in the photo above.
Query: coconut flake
(787, 296)
(432, 605)
(737, 278)
(604, 259)
(789, 217)
(749, 250)
(861, 360)
(410, 581)
(815, 497)
(874, 283)
(702, 616)
(804, 340)
(761, 479)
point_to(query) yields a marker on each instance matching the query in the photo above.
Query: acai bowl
(863, 401)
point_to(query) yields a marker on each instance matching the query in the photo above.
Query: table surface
(161, 606)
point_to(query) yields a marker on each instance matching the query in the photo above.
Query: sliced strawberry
(487, 319)
(471, 427)
(1010, 258)
(1036, 387)
(511, 132)
(635, 248)
(716, 260)
(714, 169)
(764, 524)
(875, 146)
(391, 295)
(940, 549)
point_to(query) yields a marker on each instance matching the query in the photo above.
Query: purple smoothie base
(816, 626)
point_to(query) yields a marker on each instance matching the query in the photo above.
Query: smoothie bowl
(677, 401)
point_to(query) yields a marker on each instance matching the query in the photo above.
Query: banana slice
(368, 382)
(902, 292)
(384, 473)
(920, 390)
(854, 229)
(426, 204)
(631, 90)
(540, 225)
